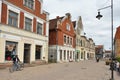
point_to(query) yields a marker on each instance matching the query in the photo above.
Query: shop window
(82, 55)
(10, 50)
(64, 54)
(67, 55)
(13, 19)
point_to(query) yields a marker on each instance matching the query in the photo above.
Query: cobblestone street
(83, 70)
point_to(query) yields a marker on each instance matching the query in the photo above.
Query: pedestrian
(117, 66)
(97, 59)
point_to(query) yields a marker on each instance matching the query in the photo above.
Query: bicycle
(16, 67)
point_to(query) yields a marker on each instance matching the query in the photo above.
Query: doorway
(26, 53)
(38, 52)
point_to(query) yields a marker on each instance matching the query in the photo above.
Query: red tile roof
(99, 46)
(107, 51)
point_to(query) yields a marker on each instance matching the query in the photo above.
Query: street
(83, 70)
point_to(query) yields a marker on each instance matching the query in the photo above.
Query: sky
(98, 30)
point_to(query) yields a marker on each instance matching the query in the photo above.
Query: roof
(99, 46)
(107, 51)
(117, 34)
(53, 22)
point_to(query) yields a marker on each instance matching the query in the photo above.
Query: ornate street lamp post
(112, 55)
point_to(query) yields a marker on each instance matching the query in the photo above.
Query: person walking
(97, 59)
(118, 66)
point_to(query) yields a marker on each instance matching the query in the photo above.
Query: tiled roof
(107, 51)
(117, 34)
(99, 46)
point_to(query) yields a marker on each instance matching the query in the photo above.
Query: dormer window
(29, 3)
(68, 27)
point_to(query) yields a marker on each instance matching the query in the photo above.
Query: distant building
(24, 30)
(117, 42)
(99, 51)
(85, 48)
(107, 54)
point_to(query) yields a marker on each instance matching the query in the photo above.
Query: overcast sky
(99, 30)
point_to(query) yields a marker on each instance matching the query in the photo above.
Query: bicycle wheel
(21, 66)
(11, 69)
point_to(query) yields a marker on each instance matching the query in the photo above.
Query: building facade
(91, 49)
(23, 30)
(85, 48)
(61, 39)
(117, 42)
(99, 51)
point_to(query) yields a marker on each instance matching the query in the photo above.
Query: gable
(67, 25)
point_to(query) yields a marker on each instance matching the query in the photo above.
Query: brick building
(117, 42)
(99, 51)
(23, 30)
(61, 39)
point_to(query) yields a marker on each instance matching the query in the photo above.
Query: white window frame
(68, 27)
(29, 7)
(30, 17)
(41, 26)
(13, 9)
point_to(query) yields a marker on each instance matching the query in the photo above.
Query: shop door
(27, 53)
(38, 52)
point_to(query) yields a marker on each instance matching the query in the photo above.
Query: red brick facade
(36, 11)
(61, 31)
(117, 42)
(4, 14)
(21, 20)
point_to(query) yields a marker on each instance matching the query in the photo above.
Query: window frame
(27, 4)
(28, 24)
(41, 28)
(68, 27)
(14, 19)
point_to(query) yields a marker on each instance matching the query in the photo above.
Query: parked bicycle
(15, 67)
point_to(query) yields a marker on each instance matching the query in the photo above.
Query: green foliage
(118, 59)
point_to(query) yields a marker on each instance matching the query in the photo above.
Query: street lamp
(112, 55)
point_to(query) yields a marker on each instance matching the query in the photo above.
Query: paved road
(83, 70)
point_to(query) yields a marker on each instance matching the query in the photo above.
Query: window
(13, 19)
(67, 40)
(28, 24)
(29, 3)
(68, 27)
(10, 50)
(64, 54)
(71, 41)
(64, 39)
(39, 28)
